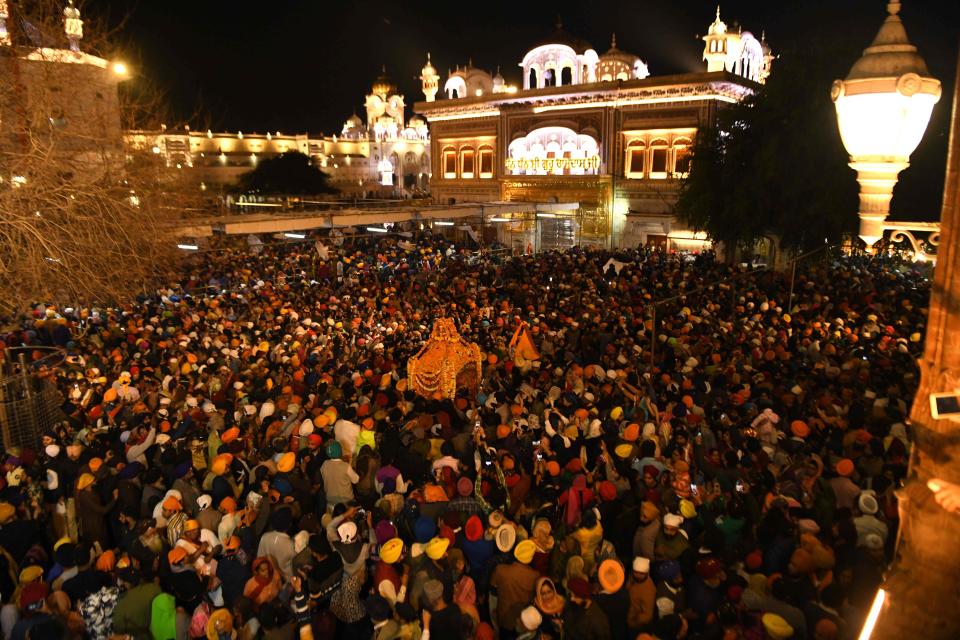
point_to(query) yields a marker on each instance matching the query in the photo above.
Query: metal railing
(29, 403)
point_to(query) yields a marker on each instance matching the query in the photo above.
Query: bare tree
(82, 221)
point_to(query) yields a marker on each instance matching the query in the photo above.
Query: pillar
(923, 585)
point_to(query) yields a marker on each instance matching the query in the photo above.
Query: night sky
(305, 65)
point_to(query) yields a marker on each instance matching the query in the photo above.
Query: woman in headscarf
(574, 570)
(464, 588)
(264, 585)
(550, 604)
(545, 543)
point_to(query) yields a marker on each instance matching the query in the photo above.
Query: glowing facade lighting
(688, 235)
(443, 223)
(187, 247)
(295, 236)
(376, 229)
(465, 116)
(635, 101)
(121, 69)
(498, 219)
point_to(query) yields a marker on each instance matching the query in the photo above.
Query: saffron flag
(521, 345)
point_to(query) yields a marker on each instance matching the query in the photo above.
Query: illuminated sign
(552, 165)
(553, 151)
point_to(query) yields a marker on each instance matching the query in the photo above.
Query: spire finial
(428, 56)
(613, 40)
(718, 12)
(893, 7)
(559, 22)
(383, 67)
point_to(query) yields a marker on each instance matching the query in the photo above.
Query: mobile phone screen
(948, 405)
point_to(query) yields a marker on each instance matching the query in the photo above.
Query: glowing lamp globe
(883, 108)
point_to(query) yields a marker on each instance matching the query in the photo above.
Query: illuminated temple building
(385, 156)
(594, 133)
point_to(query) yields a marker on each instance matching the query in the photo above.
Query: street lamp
(883, 108)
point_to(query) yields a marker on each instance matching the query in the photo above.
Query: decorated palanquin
(446, 363)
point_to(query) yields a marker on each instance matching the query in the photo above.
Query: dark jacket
(588, 623)
(92, 514)
(234, 575)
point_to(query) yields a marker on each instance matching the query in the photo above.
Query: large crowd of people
(697, 450)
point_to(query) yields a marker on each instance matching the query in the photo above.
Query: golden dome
(382, 86)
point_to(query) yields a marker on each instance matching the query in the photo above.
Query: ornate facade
(596, 131)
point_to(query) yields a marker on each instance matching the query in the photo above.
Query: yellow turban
(436, 548)
(525, 550)
(391, 550)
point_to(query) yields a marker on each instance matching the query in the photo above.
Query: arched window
(636, 156)
(681, 157)
(485, 162)
(606, 77)
(549, 77)
(449, 163)
(659, 155)
(467, 160)
(532, 78)
(566, 76)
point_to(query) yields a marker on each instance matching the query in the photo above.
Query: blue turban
(424, 529)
